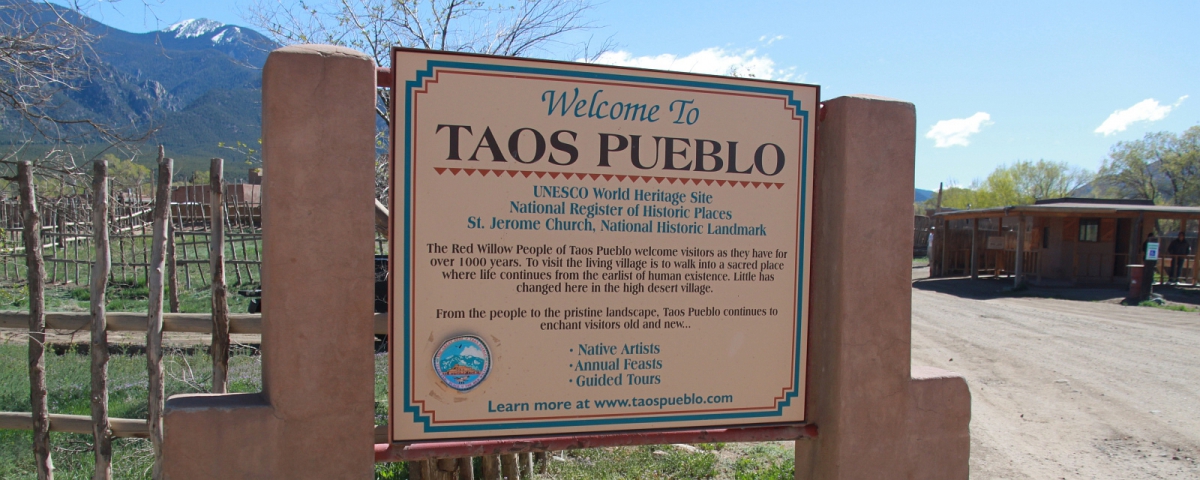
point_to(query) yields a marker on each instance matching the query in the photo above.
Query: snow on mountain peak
(194, 27)
(228, 35)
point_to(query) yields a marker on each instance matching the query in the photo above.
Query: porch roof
(1077, 209)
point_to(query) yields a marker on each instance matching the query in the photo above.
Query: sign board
(995, 243)
(1151, 250)
(579, 248)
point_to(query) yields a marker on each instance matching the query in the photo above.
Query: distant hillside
(920, 195)
(198, 82)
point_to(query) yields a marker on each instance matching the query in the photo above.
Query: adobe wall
(878, 417)
(315, 416)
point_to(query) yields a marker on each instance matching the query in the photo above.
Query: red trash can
(1135, 283)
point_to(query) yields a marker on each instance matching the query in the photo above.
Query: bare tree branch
(506, 27)
(46, 52)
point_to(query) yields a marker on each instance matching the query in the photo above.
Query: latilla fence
(102, 238)
(68, 237)
(189, 237)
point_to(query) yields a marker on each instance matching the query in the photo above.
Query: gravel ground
(1076, 386)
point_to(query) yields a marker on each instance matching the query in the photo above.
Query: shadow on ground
(989, 288)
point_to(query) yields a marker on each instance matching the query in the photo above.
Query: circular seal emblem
(463, 362)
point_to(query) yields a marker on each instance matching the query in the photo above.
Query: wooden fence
(102, 239)
(76, 237)
(69, 248)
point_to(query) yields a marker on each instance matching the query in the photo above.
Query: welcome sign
(579, 248)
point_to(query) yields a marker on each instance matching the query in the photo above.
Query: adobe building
(1064, 241)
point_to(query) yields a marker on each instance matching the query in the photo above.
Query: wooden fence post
(508, 466)
(444, 469)
(36, 271)
(101, 432)
(216, 259)
(526, 464)
(229, 228)
(419, 469)
(185, 213)
(172, 276)
(466, 468)
(542, 460)
(491, 467)
(154, 326)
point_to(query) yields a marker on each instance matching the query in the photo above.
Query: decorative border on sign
(429, 74)
(595, 176)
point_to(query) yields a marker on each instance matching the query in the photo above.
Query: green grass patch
(68, 383)
(68, 380)
(1166, 306)
(136, 250)
(643, 462)
(131, 297)
(765, 461)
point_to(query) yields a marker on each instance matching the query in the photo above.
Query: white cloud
(955, 131)
(473, 351)
(768, 40)
(1147, 110)
(716, 61)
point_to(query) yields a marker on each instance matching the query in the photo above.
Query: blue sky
(1007, 81)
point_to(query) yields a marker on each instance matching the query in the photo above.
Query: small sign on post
(580, 248)
(1151, 250)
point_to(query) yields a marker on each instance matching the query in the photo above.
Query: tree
(1163, 167)
(499, 27)
(126, 173)
(506, 27)
(46, 49)
(1021, 183)
(1026, 182)
(41, 53)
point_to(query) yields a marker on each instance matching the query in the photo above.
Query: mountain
(197, 82)
(239, 43)
(920, 195)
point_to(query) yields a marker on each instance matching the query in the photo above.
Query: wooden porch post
(1000, 254)
(1020, 260)
(1179, 262)
(941, 237)
(1194, 256)
(974, 236)
(1135, 237)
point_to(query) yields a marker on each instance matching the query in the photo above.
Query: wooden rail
(1188, 270)
(82, 424)
(136, 322)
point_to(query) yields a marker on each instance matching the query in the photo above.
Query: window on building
(1089, 230)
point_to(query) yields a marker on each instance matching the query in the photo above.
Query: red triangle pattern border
(483, 172)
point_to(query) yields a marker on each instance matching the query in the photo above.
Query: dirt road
(1066, 388)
